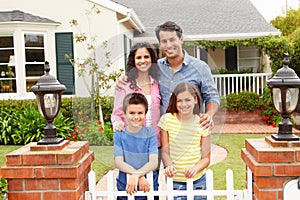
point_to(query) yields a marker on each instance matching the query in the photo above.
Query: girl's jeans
(199, 184)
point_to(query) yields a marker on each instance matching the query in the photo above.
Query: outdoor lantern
(285, 91)
(48, 93)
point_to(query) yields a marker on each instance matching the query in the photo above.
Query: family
(163, 111)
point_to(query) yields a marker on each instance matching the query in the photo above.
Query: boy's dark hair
(135, 98)
(131, 70)
(182, 87)
(168, 26)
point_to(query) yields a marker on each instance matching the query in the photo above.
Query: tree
(290, 28)
(289, 23)
(96, 66)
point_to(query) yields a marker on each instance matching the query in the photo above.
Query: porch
(234, 83)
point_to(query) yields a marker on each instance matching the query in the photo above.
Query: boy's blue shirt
(135, 147)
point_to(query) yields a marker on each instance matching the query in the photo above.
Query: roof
(20, 16)
(123, 10)
(203, 19)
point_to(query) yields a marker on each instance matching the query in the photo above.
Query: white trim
(219, 37)
(30, 23)
(134, 19)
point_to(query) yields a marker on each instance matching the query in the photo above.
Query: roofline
(215, 37)
(239, 36)
(134, 19)
(30, 23)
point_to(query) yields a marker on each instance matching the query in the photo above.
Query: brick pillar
(272, 163)
(48, 172)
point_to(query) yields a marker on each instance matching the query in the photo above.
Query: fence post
(229, 184)
(209, 184)
(248, 190)
(170, 188)
(189, 188)
(92, 185)
(111, 185)
(150, 180)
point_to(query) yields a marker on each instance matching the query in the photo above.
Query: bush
(21, 122)
(247, 101)
(270, 115)
(92, 131)
(3, 187)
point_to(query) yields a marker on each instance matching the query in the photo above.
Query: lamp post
(48, 93)
(285, 91)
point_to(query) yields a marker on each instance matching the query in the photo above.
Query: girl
(185, 145)
(141, 70)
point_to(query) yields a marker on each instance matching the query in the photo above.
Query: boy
(135, 149)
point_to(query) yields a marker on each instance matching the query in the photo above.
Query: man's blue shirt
(192, 70)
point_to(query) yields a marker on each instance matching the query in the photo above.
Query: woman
(142, 72)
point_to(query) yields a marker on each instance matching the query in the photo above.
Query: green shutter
(65, 70)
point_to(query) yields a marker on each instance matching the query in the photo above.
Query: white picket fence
(230, 193)
(234, 83)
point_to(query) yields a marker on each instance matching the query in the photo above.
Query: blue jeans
(199, 184)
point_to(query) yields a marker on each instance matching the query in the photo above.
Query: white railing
(111, 193)
(235, 83)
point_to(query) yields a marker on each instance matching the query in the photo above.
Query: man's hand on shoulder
(121, 82)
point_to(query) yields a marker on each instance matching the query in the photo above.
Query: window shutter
(65, 70)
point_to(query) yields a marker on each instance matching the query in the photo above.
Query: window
(7, 65)
(249, 58)
(34, 57)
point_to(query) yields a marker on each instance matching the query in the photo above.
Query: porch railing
(235, 83)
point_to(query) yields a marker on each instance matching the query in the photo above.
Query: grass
(233, 143)
(102, 163)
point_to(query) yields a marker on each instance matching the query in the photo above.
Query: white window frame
(33, 79)
(14, 50)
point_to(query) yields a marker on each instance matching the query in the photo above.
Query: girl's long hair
(182, 87)
(132, 72)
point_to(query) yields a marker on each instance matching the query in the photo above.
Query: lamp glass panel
(39, 104)
(277, 99)
(51, 104)
(291, 99)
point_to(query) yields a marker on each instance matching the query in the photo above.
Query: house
(209, 20)
(32, 32)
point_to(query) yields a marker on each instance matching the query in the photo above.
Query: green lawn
(232, 142)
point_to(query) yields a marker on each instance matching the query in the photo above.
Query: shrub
(21, 122)
(270, 115)
(3, 187)
(247, 101)
(92, 131)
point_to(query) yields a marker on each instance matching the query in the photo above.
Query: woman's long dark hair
(182, 87)
(131, 70)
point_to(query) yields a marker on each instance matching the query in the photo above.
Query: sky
(270, 9)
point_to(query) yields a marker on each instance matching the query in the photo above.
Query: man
(177, 66)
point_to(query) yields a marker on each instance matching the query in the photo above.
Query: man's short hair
(135, 98)
(168, 26)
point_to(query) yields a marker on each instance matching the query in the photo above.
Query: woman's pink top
(117, 115)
